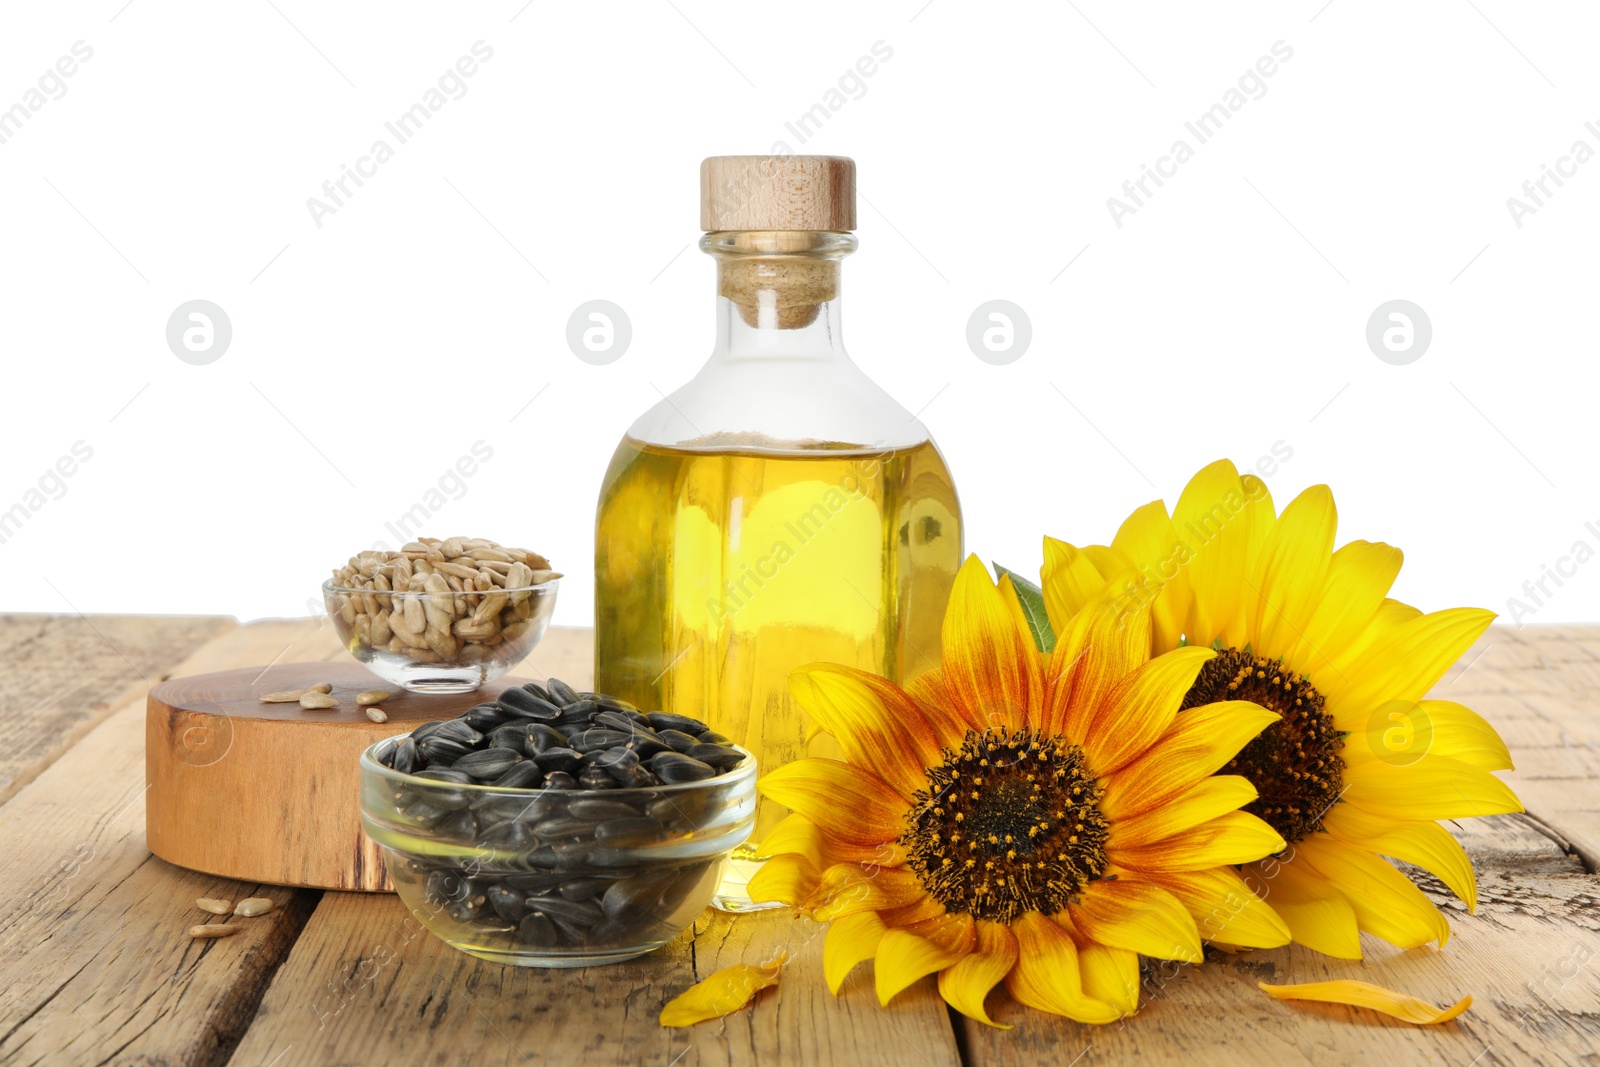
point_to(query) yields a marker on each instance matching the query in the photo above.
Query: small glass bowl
(555, 878)
(431, 661)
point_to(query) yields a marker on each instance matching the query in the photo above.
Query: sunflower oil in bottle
(778, 510)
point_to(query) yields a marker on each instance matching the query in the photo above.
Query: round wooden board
(270, 792)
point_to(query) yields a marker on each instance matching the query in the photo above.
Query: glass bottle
(780, 508)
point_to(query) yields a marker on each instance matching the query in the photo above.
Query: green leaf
(1031, 597)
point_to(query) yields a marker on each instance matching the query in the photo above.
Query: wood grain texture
(65, 674)
(365, 984)
(95, 965)
(270, 792)
(777, 193)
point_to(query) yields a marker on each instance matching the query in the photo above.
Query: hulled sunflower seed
(373, 696)
(377, 715)
(287, 696)
(214, 906)
(321, 687)
(253, 906)
(212, 930)
(316, 701)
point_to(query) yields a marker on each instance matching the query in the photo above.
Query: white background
(429, 312)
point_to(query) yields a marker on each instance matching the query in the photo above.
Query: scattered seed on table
(317, 701)
(373, 696)
(214, 906)
(213, 930)
(377, 715)
(253, 906)
(321, 687)
(287, 696)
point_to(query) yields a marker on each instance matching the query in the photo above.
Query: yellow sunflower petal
(850, 940)
(848, 801)
(1224, 908)
(1105, 642)
(1386, 902)
(1159, 557)
(965, 985)
(1046, 974)
(1411, 658)
(723, 992)
(1387, 621)
(940, 708)
(1425, 844)
(1461, 733)
(1210, 518)
(876, 724)
(1260, 517)
(1235, 837)
(904, 957)
(1069, 581)
(796, 834)
(1198, 742)
(1206, 800)
(1365, 995)
(1107, 560)
(1318, 915)
(990, 663)
(1291, 572)
(789, 878)
(1433, 787)
(847, 889)
(1110, 974)
(1138, 916)
(1359, 577)
(1140, 707)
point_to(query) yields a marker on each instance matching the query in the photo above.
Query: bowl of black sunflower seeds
(556, 828)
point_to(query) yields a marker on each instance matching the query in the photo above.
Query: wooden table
(96, 966)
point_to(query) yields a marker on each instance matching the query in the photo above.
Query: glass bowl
(552, 877)
(444, 642)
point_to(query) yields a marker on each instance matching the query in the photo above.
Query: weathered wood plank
(65, 674)
(1540, 686)
(366, 984)
(96, 965)
(1530, 958)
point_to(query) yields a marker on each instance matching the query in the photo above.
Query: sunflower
(1037, 820)
(1359, 765)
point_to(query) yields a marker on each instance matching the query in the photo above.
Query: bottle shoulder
(777, 403)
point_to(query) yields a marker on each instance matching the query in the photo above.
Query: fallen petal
(721, 993)
(1366, 995)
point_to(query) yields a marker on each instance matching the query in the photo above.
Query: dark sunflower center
(1294, 763)
(1010, 823)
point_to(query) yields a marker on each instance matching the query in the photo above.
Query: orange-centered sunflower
(1038, 820)
(1358, 765)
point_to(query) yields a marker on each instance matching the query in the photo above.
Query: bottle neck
(778, 292)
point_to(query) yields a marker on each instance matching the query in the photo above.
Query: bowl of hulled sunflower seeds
(442, 615)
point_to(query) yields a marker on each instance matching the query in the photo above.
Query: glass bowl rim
(737, 775)
(544, 588)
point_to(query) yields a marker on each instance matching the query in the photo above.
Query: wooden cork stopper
(777, 193)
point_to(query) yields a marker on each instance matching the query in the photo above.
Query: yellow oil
(719, 572)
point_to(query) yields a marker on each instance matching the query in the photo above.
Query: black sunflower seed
(560, 692)
(487, 763)
(673, 767)
(678, 740)
(525, 705)
(666, 720)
